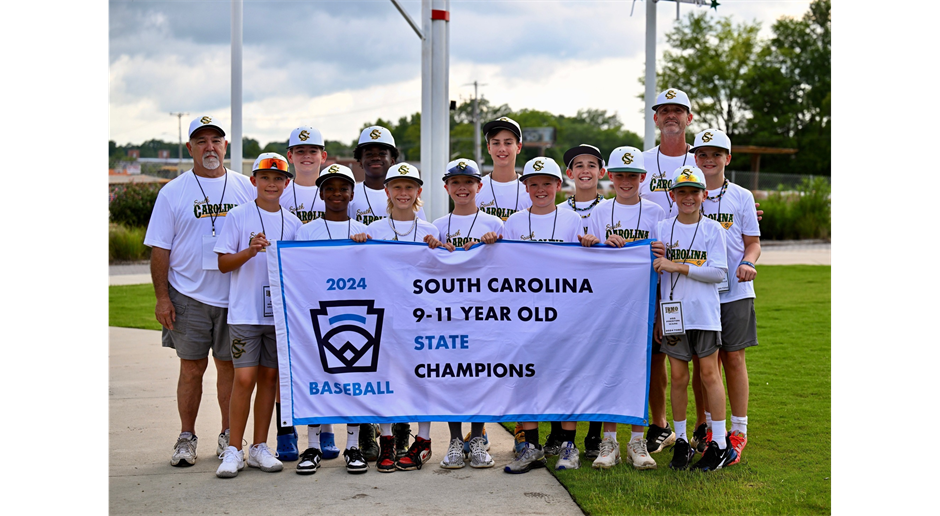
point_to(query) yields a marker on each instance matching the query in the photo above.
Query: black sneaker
(309, 461)
(386, 461)
(402, 433)
(592, 446)
(682, 455)
(552, 445)
(367, 443)
(699, 441)
(714, 458)
(355, 462)
(658, 438)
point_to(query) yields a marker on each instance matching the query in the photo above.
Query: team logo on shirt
(366, 216)
(725, 219)
(375, 134)
(458, 240)
(630, 235)
(660, 184)
(305, 216)
(531, 238)
(203, 209)
(679, 255)
(252, 235)
(348, 335)
(304, 135)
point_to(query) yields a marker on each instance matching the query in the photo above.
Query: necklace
(724, 188)
(589, 208)
(414, 226)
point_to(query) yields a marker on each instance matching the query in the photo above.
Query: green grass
(131, 306)
(786, 467)
(127, 243)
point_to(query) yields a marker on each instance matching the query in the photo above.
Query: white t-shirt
(460, 229)
(704, 247)
(583, 210)
(366, 199)
(181, 218)
(558, 226)
(249, 291)
(324, 229)
(637, 222)
(739, 217)
(659, 177)
(303, 201)
(413, 231)
(502, 199)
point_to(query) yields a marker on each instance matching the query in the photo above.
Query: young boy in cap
(242, 251)
(733, 208)
(585, 166)
(376, 152)
(693, 266)
(625, 218)
(305, 150)
(501, 192)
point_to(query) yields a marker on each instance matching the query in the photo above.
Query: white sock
(679, 427)
(739, 424)
(386, 429)
(708, 420)
(424, 430)
(327, 428)
(313, 436)
(352, 436)
(636, 435)
(612, 435)
(718, 434)
(186, 435)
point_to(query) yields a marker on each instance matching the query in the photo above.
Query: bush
(131, 204)
(803, 214)
(126, 244)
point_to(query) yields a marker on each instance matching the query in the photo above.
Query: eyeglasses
(272, 164)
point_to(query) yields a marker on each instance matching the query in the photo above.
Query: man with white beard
(192, 295)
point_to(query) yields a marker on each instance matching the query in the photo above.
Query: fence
(769, 181)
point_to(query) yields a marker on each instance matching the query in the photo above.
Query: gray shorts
(738, 325)
(695, 342)
(197, 329)
(253, 345)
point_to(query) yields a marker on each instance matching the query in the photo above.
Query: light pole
(179, 122)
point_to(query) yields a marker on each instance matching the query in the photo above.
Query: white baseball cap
(503, 122)
(403, 171)
(626, 159)
(204, 121)
(462, 167)
(336, 170)
(305, 135)
(687, 175)
(375, 135)
(672, 96)
(272, 161)
(712, 138)
(540, 166)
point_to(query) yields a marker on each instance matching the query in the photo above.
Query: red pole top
(440, 15)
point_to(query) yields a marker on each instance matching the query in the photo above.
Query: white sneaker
(233, 461)
(184, 452)
(454, 457)
(259, 456)
(636, 450)
(568, 456)
(479, 458)
(223, 443)
(608, 455)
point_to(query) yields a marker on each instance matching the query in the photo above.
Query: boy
(250, 316)
(544, 222)
(500, 194)
(693, 266)
(733, 207)
(335, 185)
(625, 218)
(376, 152)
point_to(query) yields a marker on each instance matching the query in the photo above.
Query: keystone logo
(333, 169)
(707, 137)
(304, 135)
(670, 94)
(538, 165)
(348, 335)
(627, 158)
(205, 119)
(375, 134)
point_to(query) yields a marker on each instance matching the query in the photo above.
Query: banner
(387, 332)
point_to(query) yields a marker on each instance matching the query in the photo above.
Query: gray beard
(210, 163)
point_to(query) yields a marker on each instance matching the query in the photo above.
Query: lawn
(131, 306)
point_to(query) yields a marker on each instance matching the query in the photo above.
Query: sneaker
(309, 461)
(287, 447)
(568, 457)
(658, 438)
(714, 458)
(223, 443)
(700, 438)
(531, 457)
(233, 461)
(355, 462)
(259, 456)
(454, 457)
(479, 458)
(519, 436)
(328, 446)
(592, 444)
(682, 454)
(401, 431)
(367, 444)
(466, 443)
(636, 451)
(184, 453)
(386, 461)
(552, 445)
(608, 454)
(738, 442)
(418, 454)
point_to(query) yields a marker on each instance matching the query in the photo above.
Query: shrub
(131, 204)
(801, 214)
(126, 244)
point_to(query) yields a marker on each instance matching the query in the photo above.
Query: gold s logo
(375, 134)
(503, 119)
(205, 119)
(462, 165)
(670, 94)
(538, 165)
(333, 169)
(238, 348)
(627, 158)
(304, 135)
(707, 137)
(403, 170)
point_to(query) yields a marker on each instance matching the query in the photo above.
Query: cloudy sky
(336, 65)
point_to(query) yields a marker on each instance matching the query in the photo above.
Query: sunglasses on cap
(273, 164)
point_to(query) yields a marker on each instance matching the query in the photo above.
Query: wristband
(749, 264)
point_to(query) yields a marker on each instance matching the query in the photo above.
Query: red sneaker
(386, 461)
(738, 442)
(418, 454)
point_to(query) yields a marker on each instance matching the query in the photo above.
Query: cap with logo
(204, 121)
(688, 176)
(403, 171)
(626, 159)
(305, 135)
(541, 166)
(581, 150)
(271, 161)
(673, 96)
(503, 122)
(462, 167)
(712, 138)
(338, 171)
(375, 135)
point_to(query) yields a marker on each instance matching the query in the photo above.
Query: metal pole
(236, 144)
(431, 177)
(179, 125)
(477, 153)
(649, 136)
(440, 107)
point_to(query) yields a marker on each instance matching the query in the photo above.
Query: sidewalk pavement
(143, 426)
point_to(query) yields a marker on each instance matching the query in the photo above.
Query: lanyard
(317, 191)
(662, 174)
(280, 209)
(327, 225)
(671, 232)
(475, 215)
(554, 223)
(638, 217)
(414, 224)
(211, 216)
(496, 202)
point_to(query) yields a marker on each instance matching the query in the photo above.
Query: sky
(339, 65)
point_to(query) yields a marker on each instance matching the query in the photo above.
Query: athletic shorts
(253, 345)
(695, 342)
(738, 325)
(197, 329)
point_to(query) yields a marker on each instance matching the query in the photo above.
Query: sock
(718, 434)
(327, 428)
(313, 436)
(556, 429)
(680, 430)
(352, 436)
(708, 420)
(568, 435)
(282, 430)
(476, 430)
(386, 429)
(594, 429)
(424, 430)
(455, 430)
(532, 437)
(636, 435)
(612, 435)
(739, 424)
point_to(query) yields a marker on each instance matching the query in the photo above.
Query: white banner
(386, 332)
